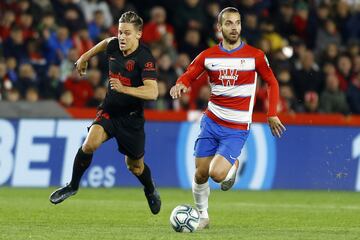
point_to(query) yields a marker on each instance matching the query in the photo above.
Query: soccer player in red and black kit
(132, 79)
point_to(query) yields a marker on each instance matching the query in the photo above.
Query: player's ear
(139, 34)
(218, 26)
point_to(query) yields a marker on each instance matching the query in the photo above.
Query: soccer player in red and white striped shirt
(232, 67)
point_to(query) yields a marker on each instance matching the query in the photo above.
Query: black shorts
(127, 129)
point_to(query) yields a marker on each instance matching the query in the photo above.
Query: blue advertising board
(40, 152)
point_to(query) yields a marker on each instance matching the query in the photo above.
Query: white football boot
(230, 178)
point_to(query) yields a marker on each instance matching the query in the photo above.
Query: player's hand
(177, 90)
(116, 85)
(277, 128)
(81, 65)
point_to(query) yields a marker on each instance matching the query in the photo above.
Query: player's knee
(201, 176)
(136, 170)
(217, 175)
(88, 147)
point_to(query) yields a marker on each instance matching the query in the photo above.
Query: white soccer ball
(184, 218)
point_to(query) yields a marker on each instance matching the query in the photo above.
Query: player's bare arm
(177, 90)
(81, 63)
(148, 92)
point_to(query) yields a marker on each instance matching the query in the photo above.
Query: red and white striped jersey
(232, 77)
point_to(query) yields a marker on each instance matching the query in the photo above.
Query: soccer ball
(184, 218)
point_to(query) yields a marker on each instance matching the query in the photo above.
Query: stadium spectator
(82, 41)
(99, 96)
(332, 99)
(5, 82)
(288, 99)
(11, 66)
(182, 63)
(353, 26)
(73, 20)
(203, 97)
(51, 86)
(356, 64)
(344, 73)
(317, 20)
(163, 102)
(166, 71)
(97, 25)
(268, 32)
(300, 20)
(250, 31)
(157, 28)
(191, 44)
(36, 57)
(189, 15)
(68, 13)
(342, 18)
(57, 45)
(306, 76)
(211, 35)
(93, 8)
(30, 7)
(15, 46)
(353, 94)
(326, 35)
(32, 95)
(12, 95)
(27, 78)
(94, 78)
(67, 65)
(311, 102)
(81, 89)
(25, 23)
(67, 99)
(47, 25)
(284, 20)
(118, 7)
(329, 54)
(6, 22)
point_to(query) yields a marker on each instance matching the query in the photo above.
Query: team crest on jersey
(130, 65)
(228, 76)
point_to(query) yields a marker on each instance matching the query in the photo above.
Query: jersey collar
(242, 44)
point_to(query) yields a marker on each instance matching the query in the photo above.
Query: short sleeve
(147, 66)
(112, 46)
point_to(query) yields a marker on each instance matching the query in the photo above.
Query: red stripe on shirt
(240, 126)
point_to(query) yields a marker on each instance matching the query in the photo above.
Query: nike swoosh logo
(234, 158)
(112, 58)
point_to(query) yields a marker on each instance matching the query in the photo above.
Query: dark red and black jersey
(131, 70)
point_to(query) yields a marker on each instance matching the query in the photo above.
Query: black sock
(81, 163)
(145, 179)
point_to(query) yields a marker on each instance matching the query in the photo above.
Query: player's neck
(228, 46)
(131, 50)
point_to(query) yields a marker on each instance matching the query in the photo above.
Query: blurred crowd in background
(312, 46)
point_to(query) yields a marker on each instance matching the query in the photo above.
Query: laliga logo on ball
(258, 153)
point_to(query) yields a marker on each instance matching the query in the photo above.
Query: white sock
(201, 194)
(230, 173)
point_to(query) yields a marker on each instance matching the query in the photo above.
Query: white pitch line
(299, 206)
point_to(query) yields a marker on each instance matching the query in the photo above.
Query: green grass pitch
(122, 213)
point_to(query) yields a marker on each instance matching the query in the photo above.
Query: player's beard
(231, 39)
